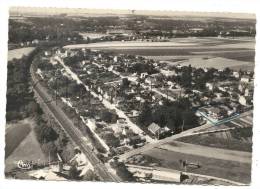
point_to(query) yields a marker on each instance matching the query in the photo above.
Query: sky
(91, 12)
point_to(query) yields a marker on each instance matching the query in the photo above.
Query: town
(137, 99)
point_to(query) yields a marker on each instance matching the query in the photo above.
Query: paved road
(161, 142)
(190, 132)
(71, 130)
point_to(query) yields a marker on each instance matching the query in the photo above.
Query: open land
(232, 170)
(21, 144)
(197, 52)
(19, 53)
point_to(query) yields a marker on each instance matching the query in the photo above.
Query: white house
(243, 100)
(245, 79)
(210, 86)
(236, 74)
(143, 75)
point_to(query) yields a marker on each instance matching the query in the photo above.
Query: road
(194, 131)
(107, 104)
(71, 130)
(161, 142)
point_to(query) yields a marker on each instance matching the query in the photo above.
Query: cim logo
(24, 164)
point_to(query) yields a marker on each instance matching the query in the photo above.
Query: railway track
(72, 131)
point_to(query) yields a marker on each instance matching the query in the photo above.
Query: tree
(146, 114)
(108, 117)
(125, 83)
(186, 77)
(189, 119)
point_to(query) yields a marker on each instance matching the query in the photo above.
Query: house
(47, 53)
(152, 81)
(121, 121)
(155, 129)
(244, 100)
(139, 98)
(115, 59)
(135, 113)
(110, 68)
(35, 41)
(218, 95)
(236, 74)
(210, 86)
(168, 73)
(241, 88)
(120, 32)
(215, 113)
(249, 91)
(145, 173)
(143, 75)
(245, 79)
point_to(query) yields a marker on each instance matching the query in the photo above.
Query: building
(210, 86)
(143, 75)
(245, 79)
(249, 91)
(236, 74)
(215, 113)
(120, 32)
(154, 173)
(155, 129)
(244, 100)
(168, 73)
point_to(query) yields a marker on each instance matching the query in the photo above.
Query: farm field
(29, 149)
(198, 52)
(21, 144)
(216, 62)
(14, 136)
(232, 170)
(19, 53)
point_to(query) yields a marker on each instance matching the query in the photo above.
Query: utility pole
(182, 125)
(67, 83)
(167, 92)
(56, 90)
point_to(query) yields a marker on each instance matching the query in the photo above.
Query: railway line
(72, 131)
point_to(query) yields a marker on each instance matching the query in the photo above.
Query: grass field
(29, 149)
(199, 52)
(15, 136)
(21, 144)
(238, 139)
(19, 53)
(231, 170)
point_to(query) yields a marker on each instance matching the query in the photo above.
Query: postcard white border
(242, 6)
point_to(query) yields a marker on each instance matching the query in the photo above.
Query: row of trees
(20, 102)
